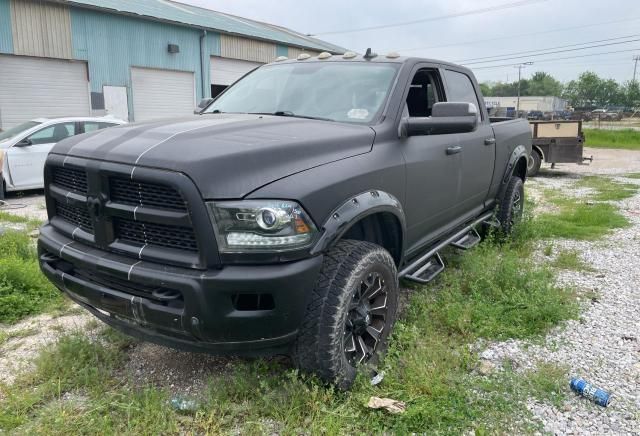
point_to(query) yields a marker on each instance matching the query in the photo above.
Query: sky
(530, 25)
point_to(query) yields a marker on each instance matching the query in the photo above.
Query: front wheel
(350, 313)
(511, 205)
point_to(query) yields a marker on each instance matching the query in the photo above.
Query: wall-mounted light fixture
(173, 48)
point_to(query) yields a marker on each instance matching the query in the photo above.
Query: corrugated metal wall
(237, 47)
(41, 29)
(295, 51)
(6, 38)
(112, 44)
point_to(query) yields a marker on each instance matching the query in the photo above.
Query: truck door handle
(489, 141)
(455, 149)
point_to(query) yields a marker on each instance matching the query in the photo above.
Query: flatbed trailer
(556, 142)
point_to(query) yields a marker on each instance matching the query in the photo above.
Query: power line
(501, 38)
(557, 47)
(547, 53)
(424, 20)
(538, 61)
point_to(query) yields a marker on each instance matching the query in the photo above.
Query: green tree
(630, 94)
(543, 84)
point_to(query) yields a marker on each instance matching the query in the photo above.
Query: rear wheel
(350, 314)
(533, 163)
(511, 205)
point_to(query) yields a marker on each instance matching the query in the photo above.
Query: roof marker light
(393, 55)
(303, 56)
(349, 55)
(281, 58)
(324, 55)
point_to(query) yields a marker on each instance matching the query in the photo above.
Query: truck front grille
(77, 216)
(72, 179)
(179, 238)
(127, 191)
(128, 216)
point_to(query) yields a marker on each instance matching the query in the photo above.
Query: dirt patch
(28, 337)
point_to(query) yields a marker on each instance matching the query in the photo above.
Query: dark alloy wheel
(366, 319)
(350, 313)
(511, 207)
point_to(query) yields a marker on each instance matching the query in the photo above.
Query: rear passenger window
(460, 88)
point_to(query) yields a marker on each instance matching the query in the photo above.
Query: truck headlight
(261, 225)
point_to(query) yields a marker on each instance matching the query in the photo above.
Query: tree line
(588, 90)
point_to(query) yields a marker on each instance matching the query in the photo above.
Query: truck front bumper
(248, 310)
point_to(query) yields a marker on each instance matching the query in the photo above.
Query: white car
(24, 148)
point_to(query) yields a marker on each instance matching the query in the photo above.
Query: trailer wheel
(533, 163)
(350, 314)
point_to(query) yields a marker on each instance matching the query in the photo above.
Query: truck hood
(226, 155)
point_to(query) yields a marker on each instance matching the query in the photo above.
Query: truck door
(478, 147)
(26, 159)
(433, 172)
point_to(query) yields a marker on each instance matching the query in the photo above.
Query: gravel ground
(603, 346)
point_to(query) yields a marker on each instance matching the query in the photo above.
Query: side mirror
(24, 143)
(203, 104)
(445, 118)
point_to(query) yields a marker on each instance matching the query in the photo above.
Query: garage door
(35, 87)
(225, 71)
(162, 93)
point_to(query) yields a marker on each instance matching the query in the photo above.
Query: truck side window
(423, 93)
(460, 88)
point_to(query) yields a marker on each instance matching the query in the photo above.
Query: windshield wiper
(291, 114)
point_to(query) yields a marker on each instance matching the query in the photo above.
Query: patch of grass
(570, 259)
(23, 289)
(632, 176)
(23, 333)
(624, 139)
(492, 294)
(607, 189)
(580, 222)
(30, 223)
(73, 363)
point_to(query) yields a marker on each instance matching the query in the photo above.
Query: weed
(570, 259)
(30, 223)
(548, 250)
(18, 334)
(608, 189)
(632, 176)
(23, 289)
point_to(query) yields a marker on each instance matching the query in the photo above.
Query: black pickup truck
(281, 218)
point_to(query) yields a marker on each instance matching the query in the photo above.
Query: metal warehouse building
(528, 103)
(136, 60)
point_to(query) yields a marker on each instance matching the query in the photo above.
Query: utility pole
(520, 67)
(635, 67)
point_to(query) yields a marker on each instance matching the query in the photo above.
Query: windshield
(336, 91)
(14, 131)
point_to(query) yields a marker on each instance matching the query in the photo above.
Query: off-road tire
(511, 205)
(533, 163)
(320, 346)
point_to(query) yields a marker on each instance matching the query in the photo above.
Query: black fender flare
(353, 210)
(519, 152)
